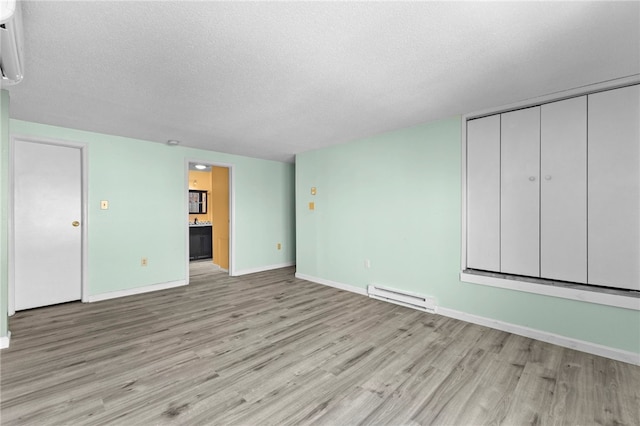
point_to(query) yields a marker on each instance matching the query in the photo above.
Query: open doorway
(210, 214)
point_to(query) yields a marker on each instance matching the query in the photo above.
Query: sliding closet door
(614, 188)
(563, 190)
(483, 193)
(520, 192)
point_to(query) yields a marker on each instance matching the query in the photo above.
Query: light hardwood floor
(269, 348)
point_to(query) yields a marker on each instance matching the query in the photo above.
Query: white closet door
(520, 192)
(483, 193)
(614, 188)
(563, 190)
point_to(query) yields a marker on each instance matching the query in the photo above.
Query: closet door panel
(520, 192)
(614, 188)
(483, 193)
(563, 190)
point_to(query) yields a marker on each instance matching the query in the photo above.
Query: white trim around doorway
(84, 208)
(232, 209)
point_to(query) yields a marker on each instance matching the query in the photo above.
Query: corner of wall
(4, 206)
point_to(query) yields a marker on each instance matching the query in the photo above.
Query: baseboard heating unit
(404, 298)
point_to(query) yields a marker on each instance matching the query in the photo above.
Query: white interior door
(563, 186)
(47, 229)
(483, 193)
(614, 188)
(520, 192)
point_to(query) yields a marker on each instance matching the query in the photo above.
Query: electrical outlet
(279, 246)
(367, 263)
(104, 205)
(144, 261)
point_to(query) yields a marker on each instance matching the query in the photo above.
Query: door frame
(84, 195)
(232, 208)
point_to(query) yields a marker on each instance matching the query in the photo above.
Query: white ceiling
(272, 79)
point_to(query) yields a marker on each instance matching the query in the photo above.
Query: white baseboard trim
(132, 291)
(341, 286)
(5, 340)
(545, 336)
(262, 268)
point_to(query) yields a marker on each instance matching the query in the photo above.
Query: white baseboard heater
(404, 298)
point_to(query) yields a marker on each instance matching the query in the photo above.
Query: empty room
(332, 213)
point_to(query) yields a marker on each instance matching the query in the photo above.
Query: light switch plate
(312, 206)
(104, 205)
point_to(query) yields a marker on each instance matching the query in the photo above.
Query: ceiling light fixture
(173, 142)
(200, 166)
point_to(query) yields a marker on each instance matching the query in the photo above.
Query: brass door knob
(75, 223)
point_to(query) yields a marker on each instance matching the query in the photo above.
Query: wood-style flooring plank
(270, 349)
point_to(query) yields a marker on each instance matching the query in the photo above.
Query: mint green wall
(395, 199)
(267, 216)
(144, 183)
(4, 197)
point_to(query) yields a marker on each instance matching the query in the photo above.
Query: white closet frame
(585, 293)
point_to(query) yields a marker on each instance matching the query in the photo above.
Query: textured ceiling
(272, 79)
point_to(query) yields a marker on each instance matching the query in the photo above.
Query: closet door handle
(532, 178)
(547, 177)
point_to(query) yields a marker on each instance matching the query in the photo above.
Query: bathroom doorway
(210, 214)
